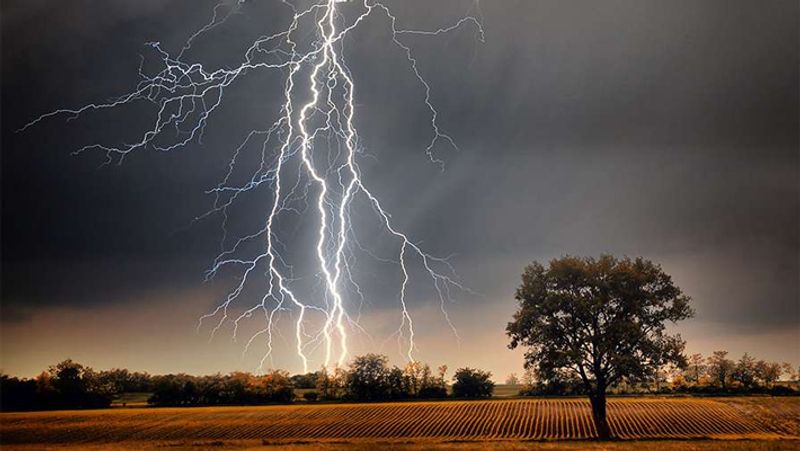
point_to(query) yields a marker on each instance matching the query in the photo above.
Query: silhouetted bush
(472, 383)
(19, 394)
(782, 390)
(66, 385)
(433, 392)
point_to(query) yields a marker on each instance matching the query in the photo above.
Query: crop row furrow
(538, 419)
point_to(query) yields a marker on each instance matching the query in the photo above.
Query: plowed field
(514, 419)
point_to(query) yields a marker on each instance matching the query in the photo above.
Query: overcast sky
(667, 130)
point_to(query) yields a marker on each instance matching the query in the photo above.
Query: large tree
(368, 378)
(601, 320)
(720, 368)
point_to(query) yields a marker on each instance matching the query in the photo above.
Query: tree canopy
(601, 320)
(472, 383)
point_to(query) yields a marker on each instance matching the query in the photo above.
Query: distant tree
(66, 385)
(601, 320)
(139, 382)
(46, 394)
(331, 383)
(512, 379)
(171, 390)
(441, 372)
(669, 377)
(237, 387)
(720, 368)
(276, 386)
(307, 380)
(367, 378)
(678, 381)
(529, 377)
(433, 386)
(413, 375)
(17, 394)
(120, 380)
(695, 368)
(77, 387)
(190, 393)
(744, 371)
(397, 384)
(433, 390)
(789, 372)
(767, 373)
(68, 382)
(530, 382)
(472, 383)
(660, 376)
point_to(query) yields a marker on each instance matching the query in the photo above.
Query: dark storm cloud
(663, 129)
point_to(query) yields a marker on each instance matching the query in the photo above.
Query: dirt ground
(671, 423)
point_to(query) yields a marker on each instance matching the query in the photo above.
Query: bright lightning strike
(308, 160)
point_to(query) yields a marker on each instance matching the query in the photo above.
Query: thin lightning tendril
(305, 133)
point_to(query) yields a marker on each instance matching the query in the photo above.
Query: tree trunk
(599, 415)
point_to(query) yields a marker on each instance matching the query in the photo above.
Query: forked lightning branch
(309, 159)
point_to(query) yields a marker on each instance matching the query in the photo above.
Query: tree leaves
(598, 319)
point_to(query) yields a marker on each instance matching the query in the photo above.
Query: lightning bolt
(308, 161)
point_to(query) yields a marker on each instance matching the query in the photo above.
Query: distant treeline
(715, 374)
(70, 385)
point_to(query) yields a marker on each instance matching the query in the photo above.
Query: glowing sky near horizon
(638, 128)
